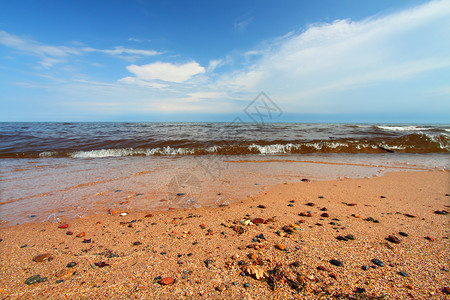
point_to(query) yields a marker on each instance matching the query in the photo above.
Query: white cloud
(166, 71)
(329, 58)
(122, 50)
(242, 22)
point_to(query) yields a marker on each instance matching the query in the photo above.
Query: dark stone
(137, 243)
(42, 279)
(336, 262)
(157, 278)
(246, 285)
(71, 264)
(24, 245)
(403, 233)
(360, 290)
(33, 279)
(208, 263)
(365, 268)
(404, 274)
(441, 212)
(321, 197)
(181, 194)
(290, 205)
(86, 241)
(350, 237)
(59, 281)
(261, 206)
(378, 262)
(342, 238)
(393, 239)
(235, 283)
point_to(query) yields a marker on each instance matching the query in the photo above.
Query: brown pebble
(393, 239)
(322, 268)
(409, 287)
(64, 273)
(280, 246)
(80, 235)
(251, 256)
(69, 233)
(351, 204)
(166, 280)
(148, 216)
(356, 216)
(325, 215)
(114, 211)
(221, 288)
(430, 238)
(410, 216)
(310, 204)
(258, 221)
(42, 257)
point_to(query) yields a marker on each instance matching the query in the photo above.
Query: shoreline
(205, 250)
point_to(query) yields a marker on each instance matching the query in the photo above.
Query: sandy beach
(304, 239)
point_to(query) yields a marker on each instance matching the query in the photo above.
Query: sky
(136, 60)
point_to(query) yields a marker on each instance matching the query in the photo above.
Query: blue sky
(327, 61)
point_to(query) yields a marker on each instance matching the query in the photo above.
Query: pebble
(336, 262)
(342, 238)
(246, 285)
(441, 212)
(430, 238)
(64, 273)
(71, 264)
(235, 283)
(325, 215)
(24, 246)
(446, 290)
(280, 246)
(42, 257)
(65, 225)
(378, 262)
(261, 206)
(310, 204)
(404, 274)
(365, 268)
(166, 280)
(403, 233)
(258, 221)
(69, 233)
(350, 237)
(221, 288)
(33, 279)
(393, 239)
(80, 235)
(59, 281)
(208, 263)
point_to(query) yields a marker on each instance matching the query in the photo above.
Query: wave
(405, 128)
(410, 143)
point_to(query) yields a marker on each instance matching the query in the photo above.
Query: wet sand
(214, 253)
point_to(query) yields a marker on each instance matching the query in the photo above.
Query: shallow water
(45, 189)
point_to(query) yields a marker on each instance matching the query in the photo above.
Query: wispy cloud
(49, 55)
(241, 23)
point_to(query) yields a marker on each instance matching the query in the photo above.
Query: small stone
(59, 281)
(166, 280)
(393, 239)
(310, 204)
(378, 262)
(208, 263)
(290, 205)
(336, 262)
(410, 215)
(261, 206)
(404, 274)
(42, 279)
(137, 243)
(356, 216)
(86, 241)
(180, 194)
(280, 246)
(235, 283)
(441, 212)
(322, 268)
(403, 233)
(351, 204)
(221, 288)
(64, 273)
(69, 233)
(246, 285)
(24, 246)
(342, 238)
(65, 225)
(33, 279)
(81, 234)
(258, 221)
(360, 290)
(101, 264)
(321, 197)
(350, 237)
(71, 264)
(42, 257)
(325, 215)
(305, 180)
(446, 290)
(251, 256)
(114, 211)
(430, 238)
(365, 268)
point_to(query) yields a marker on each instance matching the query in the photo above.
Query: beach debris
(336, 262)
(43, 257)
(166, 280)
(245, 222)
(378, 262)
(393, 239)
(35, 279)
(305, 214)
(255, 271)
(81, 234)
(239, 229)
(123, 214)
(410, 215)
(62, 226)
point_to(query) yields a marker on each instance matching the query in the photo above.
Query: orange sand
(176, 244)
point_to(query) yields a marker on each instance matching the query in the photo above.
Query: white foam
(403, 128)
